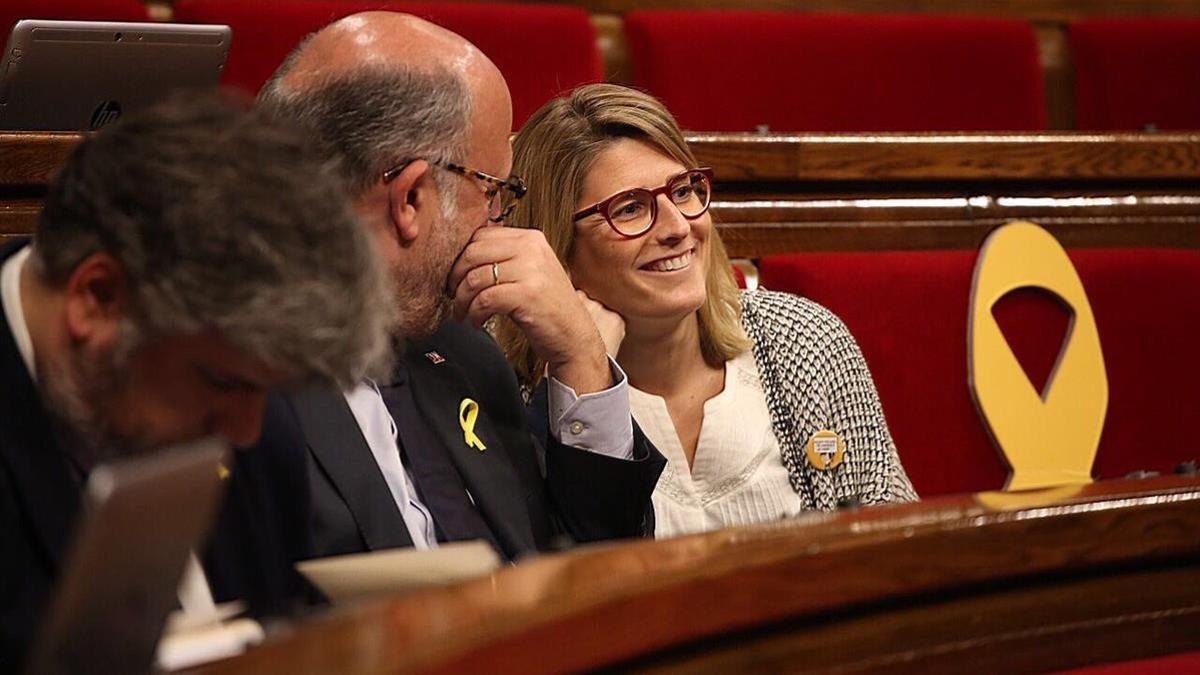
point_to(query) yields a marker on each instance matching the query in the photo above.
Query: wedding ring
(496, 273)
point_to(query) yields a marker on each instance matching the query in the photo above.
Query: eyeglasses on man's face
(631, 213)
(502, 193)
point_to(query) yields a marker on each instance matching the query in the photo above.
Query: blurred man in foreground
(187, 260)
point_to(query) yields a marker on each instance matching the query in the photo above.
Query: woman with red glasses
(761, 402)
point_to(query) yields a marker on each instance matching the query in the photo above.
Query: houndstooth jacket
(815, 378)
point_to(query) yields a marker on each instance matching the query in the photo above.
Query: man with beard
(187, 260)
(441, 451)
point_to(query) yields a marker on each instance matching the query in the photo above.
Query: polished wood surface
(18, 216)
(782, 193)
(756, 227)
(1157, 611)
(31, 158)
(1025, 581)
(785, 193)
(28, 158)
(28, 162)
(950, 156)
(754, 240)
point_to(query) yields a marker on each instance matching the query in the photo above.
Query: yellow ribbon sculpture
(1051, 440)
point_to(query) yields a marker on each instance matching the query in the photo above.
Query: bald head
(405, 105)
(386, 40)
(382, 86)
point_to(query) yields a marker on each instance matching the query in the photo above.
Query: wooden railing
(785, 193)
(1022, 582)
(28, 162)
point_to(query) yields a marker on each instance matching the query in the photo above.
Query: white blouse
(737, 475)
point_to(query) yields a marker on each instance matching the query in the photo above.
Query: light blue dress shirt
(599, 422)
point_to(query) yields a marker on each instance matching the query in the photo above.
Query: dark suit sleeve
(263, 525)
(24, 587)
(584, 495)
(597, 497)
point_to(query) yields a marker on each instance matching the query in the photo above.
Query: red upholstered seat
(1130, 73)
(734, 70)
(542, 50)
(908, 311)
(12, 11)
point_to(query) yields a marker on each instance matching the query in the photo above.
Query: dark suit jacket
(261, 531)
(39, 499)
(581, 494)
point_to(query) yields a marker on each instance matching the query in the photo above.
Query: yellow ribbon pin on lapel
(468, 412)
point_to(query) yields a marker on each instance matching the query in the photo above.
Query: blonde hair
(554, 151)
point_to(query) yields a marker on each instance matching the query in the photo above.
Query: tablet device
(141, 518)
(81, 75)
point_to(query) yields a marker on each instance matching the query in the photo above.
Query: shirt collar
(14, 313)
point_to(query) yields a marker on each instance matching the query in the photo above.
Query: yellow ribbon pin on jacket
(468, 412)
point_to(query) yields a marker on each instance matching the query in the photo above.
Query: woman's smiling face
(658, 275)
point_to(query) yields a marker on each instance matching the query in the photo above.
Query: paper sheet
(363, 575)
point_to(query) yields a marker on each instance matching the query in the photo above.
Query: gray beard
(75, 398)
(421, 318)
(424, 300)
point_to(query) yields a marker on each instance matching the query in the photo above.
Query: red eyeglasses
(632, 213)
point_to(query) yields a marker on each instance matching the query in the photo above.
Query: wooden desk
(1016, 583)
(784, 193)
(28, 162)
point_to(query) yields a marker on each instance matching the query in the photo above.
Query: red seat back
(1131, 73)
(12, 11)
(542, 50)
(734, 70)
(908, 311)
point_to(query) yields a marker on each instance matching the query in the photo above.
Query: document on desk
(193, 638)
(364, 575)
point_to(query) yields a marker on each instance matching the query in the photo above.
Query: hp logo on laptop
(106, 112)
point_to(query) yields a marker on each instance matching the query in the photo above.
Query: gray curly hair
(225, 220)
